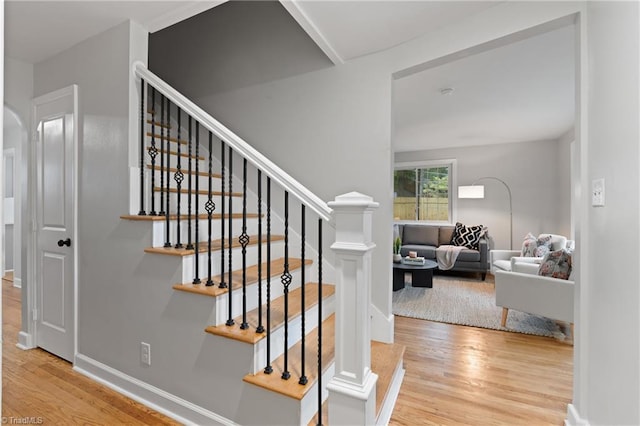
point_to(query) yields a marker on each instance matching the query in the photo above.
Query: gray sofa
(424, 239)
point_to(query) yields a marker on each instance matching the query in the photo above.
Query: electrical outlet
(597, 193)
(145, 353)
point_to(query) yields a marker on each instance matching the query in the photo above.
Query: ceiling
(523, 91)
(520, 92)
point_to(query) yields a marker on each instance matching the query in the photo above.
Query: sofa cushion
(467, 236)
(445, 235)
(428, 252)
(556, 264)
(468, 255)
(420, 235)
(503, 265)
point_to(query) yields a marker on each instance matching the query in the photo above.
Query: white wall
(18, 93)
(531, 169)
(611, 388)
(564, 184)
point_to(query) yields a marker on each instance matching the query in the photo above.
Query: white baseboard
(392, 396)
(161, 401)
(17, 282)
(25, 341)
(574, 418)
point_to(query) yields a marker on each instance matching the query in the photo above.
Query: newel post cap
(353, 200)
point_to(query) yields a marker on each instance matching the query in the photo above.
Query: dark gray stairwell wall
(234, 45)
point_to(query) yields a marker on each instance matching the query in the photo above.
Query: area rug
(468, 302)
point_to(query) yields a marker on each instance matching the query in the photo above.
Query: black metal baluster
(222, 283)
(178, 177)
(319, 321)
(210, 207)
(244, 241)
(189, 193)
(153, 152)
(196, 279)
(165, 153)
(268, 369)
(303, 378)
(230, 320)
(165, 197)
(142, 212)
(260, 328)
(285, 278)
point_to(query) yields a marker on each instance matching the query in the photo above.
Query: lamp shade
(471, 191)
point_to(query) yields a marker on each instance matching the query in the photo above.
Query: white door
(56, 124)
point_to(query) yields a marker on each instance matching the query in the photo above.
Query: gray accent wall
(533, 171)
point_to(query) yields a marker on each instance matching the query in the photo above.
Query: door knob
(66, 242)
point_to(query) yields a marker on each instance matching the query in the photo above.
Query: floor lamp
(477, 191)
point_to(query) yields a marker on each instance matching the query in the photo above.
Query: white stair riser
(203, 230)
(200, 201)
(295, 333)
(277, 290)
(203, 181)
(188, 262)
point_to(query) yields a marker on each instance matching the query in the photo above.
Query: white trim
(392, 396)
(32, 256)
(17, 282)
(155, 398)
(294, 9)
(270, 169)
(181, 13)
(573, 417)
(26, 341)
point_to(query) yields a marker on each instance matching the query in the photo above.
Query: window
(423, 192)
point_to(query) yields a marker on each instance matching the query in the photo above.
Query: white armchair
(504, 260)
(534, 294)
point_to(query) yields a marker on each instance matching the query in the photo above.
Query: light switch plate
(597, 193)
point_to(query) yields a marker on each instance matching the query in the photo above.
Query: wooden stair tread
(385, 359)
(182, 154)
(193, 191)
(250, 336)
(203, 216)
(203, 246)
(277, 266)
(384, 362)
(158, 124)
(291, 387)
(167, 138)
(193, 172)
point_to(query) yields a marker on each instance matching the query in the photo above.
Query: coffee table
(421, 275)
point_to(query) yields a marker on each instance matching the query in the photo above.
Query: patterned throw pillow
(467, 236)
(544, 245)
(556, 264)
(529, 246)
(536, 246)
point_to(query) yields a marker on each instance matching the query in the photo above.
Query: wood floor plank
(457, 375)
(38, 385)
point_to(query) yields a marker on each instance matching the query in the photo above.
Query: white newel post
(352, 391)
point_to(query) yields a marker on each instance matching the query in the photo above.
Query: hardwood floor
(454, 375)
(43, 388)
(459, 375)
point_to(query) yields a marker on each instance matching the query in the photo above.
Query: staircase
(238, 229)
